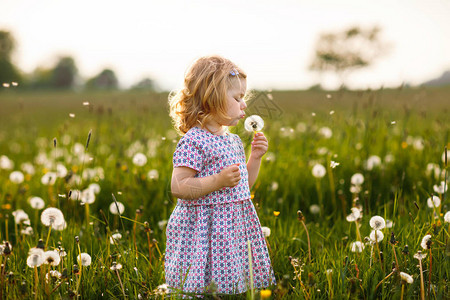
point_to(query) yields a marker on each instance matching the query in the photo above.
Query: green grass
(363, 123)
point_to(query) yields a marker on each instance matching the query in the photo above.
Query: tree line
(63, 75)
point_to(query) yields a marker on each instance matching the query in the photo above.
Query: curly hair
(204, 93)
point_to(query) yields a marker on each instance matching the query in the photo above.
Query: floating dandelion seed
(406, 277)
(6, 85)
(357, 179)
(332, 112)
(35, 257)
(377, 223)
(254, 123)
(85, 103)
(84, 259)
(426, 242)
(376, 236)
(72, 115)
(116, 208)
(393, 122)
(355, 215)
(447, 217)
(433, 202)
(318, 171)
(313, 114)
(357, 247)
(52, 216)
(334, 164)
(266, 231)
(16, 177)
(328, 96)
(36, 203)
(14, 83)
(139, 159)
(52, 258)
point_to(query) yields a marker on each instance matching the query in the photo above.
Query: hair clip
(234, 72)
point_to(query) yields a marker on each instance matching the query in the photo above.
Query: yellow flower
(404, 145)
(265, 294)
(276, 213)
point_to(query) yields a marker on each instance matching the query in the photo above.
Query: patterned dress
(207, 237)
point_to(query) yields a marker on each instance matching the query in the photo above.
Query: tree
(64, 73)
(348, 50)
(147, 84)
(105, 80)
(8, 72)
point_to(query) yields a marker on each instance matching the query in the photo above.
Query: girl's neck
(215, 128)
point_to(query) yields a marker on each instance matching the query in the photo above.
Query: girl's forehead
(238, 85)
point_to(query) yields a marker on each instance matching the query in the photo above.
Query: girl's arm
(259, 148)
(185, 186)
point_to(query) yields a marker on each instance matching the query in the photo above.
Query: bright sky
(273, 41)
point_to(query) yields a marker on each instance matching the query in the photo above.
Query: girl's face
(236, 104)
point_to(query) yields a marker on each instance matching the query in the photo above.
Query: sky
(273, 41)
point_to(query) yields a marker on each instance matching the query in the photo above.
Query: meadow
(340, 165)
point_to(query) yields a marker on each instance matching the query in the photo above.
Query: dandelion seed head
(357, 247)
(35, 257)
(334, 164)
(84, 259)
(115, 237)
(139, 159)
(116, 208)
(72, 115)
(52, 216)
(52, 258)
(406, 277)
(433, 202)
(153, 174)
(49, 178)
(447, 217)
(419, 255)
(426, 242)
(16, 177)
(314, 209)
(116, 266)
(441, 188)
(377, 223)
(357, 179)
(355, 215)
(376, 236)
(266, 231)
(253, 123)
(87, 196)
(36, 203)
(318, 171)
(20, 216)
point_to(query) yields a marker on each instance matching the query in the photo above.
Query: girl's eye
(237, 100)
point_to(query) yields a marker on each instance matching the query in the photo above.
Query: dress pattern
(207, 238)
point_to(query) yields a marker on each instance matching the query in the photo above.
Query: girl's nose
(243, 105)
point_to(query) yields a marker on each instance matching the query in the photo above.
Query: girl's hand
(259, 145)
(230, 176)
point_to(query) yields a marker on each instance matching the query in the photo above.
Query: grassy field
(395, 139)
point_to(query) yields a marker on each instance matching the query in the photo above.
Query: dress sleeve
(188, 154)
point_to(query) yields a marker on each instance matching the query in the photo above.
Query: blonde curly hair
(204, 94)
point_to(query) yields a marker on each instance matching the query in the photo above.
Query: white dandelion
(314, 209)
(87, 196)
(376, 236)
(52, 216)
(6, 163)
(139, 159)
(20, 216)
(75, 195)
(52, 258)
(28, 168)
(419, 255)
(27, 231)
(84, 259)
(334, 164)
(355, 215)
(318, 171)
(441, 188)
(355, 189)
(16, 177)
(116, 208)
(35, 257)
(426, 242)
(357, 247)
(447, 217)
(372, 162)
(116, 266)
(406, 277)
(115, 237)
(326, 132)
(434, 202)
(49, 178)
(153, 174)
(389, 223)
(433, 169)
(357, 179)
(254, 123)
(162, 224)
(36, 203)
(266, 231)
(95, 188)
(377, 223)
(60, 227)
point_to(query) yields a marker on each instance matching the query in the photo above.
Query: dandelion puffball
(447, 217)
(406, 277)
(116, 208)
(265, 231)
(355, 215)
(434, 202)
(139, 159)
(357, 247)
(318, 171)
(377, 223)
(376, 236)
(115, 237)
(52, 258)
(36, 203)
(419, 255)
(441, 188)
(426, 242)
(35, 257)
(20, 216)
(52, 216)
(357, 179)
(16, 177)
(254, 123)
(84, 259)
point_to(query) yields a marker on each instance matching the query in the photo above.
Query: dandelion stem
(358, 234)
(48, 235)
(429, 276)
(396, 261)
(309, 243)
(149, 253)
(36, 282)
(422, 289)
(378, 285)
(403, 290)
(121, 285)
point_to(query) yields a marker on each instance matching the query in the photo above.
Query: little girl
(209, 229)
